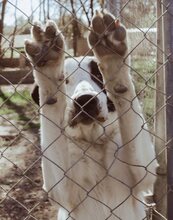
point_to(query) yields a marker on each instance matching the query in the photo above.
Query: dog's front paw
(46, 52)
(46, 46)
(107, 36)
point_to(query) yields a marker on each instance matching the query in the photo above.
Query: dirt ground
(21, 194)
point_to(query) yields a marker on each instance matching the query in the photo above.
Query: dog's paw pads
(51, 29)
(109, 22)
(107, 36)
(119, 32)
(98, 24)
(37, 31)
(119, 88)
(47, 44)
(51, 100)
(31, 48)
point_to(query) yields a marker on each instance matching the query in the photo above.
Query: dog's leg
(46, 52)
(108, 39)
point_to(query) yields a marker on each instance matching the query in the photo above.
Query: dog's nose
(87, 104)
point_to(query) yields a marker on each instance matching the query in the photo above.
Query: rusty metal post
(168, 43)
(160, 188)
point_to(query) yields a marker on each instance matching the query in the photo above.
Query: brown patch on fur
(35, 94)
(96, 76)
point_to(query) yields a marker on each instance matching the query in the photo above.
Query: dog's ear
(35, 94)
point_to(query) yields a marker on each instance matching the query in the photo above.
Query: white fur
(102, 170)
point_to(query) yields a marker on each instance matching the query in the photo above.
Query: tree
(2, 6)
(76, 31)
(14, 30)
(114, 6)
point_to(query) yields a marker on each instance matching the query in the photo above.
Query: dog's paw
(107, 36)
(46, 46)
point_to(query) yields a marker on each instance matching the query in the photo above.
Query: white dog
(98, 160)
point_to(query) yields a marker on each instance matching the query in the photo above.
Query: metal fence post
(168, 31)
(159, 123)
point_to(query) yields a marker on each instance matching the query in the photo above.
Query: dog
(98, 160)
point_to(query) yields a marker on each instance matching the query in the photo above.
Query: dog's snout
(87, 104)
(84, 100)
(86, 110)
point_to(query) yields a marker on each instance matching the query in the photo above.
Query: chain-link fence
(81, 149)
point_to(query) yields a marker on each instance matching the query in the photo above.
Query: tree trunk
(3, 5)
(14, 31)
(114, 6)
(76, 31)
(48, 9)
(44, 11)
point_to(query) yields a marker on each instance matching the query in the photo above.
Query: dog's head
(87, 101)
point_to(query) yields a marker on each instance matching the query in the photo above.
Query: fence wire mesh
(21, 194)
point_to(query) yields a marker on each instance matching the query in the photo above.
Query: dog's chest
(94, 171)
(89, 147)
(86, 170)
(91, 153)
(87, 162)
